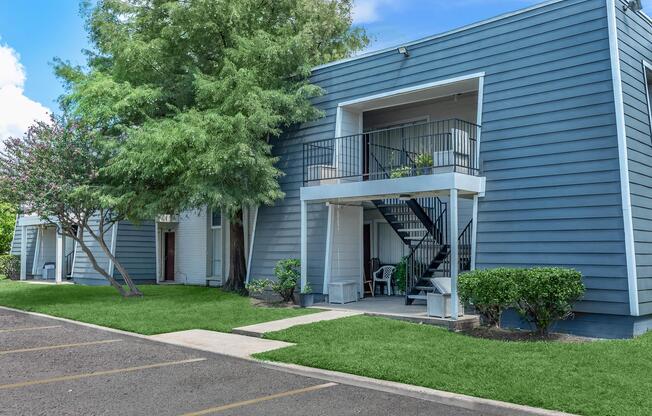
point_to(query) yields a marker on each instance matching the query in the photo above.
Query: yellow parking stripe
(59, 346)
(96, 374)
(29, 328)
(260, 399)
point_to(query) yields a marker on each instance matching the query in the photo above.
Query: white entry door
(216, 230)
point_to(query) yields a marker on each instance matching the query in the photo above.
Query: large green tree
(7, 223)
(192, 91)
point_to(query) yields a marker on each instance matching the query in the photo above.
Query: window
(216, 219)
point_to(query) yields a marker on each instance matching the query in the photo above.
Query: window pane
(217, 218)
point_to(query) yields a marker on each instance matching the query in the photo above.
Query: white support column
(23, 252)
(304, 244)
(60, 268)
(455, 259)
(474, 232)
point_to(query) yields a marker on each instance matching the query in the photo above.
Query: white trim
(74, 260)
(648, 93)
(23, 252)
(415, 185)
(37, 250)
(329, 245)
(251, 245)
(455, 254)
(114, 237)
(404, 91)
(440, 35)
(361, 252)
(474, 233)
(60, 255)
(478, 120)
(304, 244)
(630, 250)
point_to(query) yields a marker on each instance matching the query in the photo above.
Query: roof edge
(439, 35)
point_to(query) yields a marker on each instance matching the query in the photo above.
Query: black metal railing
(464, 248)
(69, 259)
(412, 150)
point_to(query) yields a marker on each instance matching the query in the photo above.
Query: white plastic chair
(384, 274)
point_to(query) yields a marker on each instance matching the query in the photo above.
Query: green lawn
(162, 309)
(595, 378)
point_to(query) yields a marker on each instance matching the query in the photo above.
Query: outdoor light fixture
(403, 50)
(633, 5)
(404, 197)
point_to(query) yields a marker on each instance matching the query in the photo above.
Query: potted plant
(424, 164)
(306, 297)
(402, 172)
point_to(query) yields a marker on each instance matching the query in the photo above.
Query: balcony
(446, 146)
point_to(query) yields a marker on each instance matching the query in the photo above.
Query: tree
(54, 172)
(7, 223)
(199, 88)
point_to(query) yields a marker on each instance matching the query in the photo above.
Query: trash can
(49, 269)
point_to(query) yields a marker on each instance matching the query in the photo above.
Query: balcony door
(388, 147)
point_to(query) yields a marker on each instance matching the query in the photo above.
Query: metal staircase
(422, 225)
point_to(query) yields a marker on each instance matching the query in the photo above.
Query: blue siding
(635, 45)
(549, 144)
(136, 250)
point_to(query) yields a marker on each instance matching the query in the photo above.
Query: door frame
(165, 256)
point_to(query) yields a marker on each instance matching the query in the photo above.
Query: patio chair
(384, 275)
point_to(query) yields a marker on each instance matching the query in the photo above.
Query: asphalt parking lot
(50, 367)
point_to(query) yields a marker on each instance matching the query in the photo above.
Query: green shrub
(10, 266)
(490, 291)
(401, 172)
(424, 163)
(400, 273)
(288, 273)
(258, 286)
(546, 295)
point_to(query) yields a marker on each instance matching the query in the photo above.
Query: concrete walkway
(259, 329)
(221, 343)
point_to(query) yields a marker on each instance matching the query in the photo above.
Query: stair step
(425, 288)
(417, 297)
(413, 230)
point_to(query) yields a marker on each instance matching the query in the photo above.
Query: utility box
(49, 270)
(342, 292)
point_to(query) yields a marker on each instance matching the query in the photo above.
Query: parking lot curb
(477, 404)
(442, 397)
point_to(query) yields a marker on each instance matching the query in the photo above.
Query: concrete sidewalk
(259, 330)
(218, 342)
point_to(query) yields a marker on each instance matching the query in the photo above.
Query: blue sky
(33, 32)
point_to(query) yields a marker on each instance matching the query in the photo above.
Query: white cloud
(367, 11)
(17, 112)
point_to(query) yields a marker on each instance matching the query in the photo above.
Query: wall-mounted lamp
(403, 50)
(633, 5)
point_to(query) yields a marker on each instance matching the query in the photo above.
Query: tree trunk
(91, 258)
(237, 264)
(133, 289)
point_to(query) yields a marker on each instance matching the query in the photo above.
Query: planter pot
(306, 300)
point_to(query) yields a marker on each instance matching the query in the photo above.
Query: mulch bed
(500, 334)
